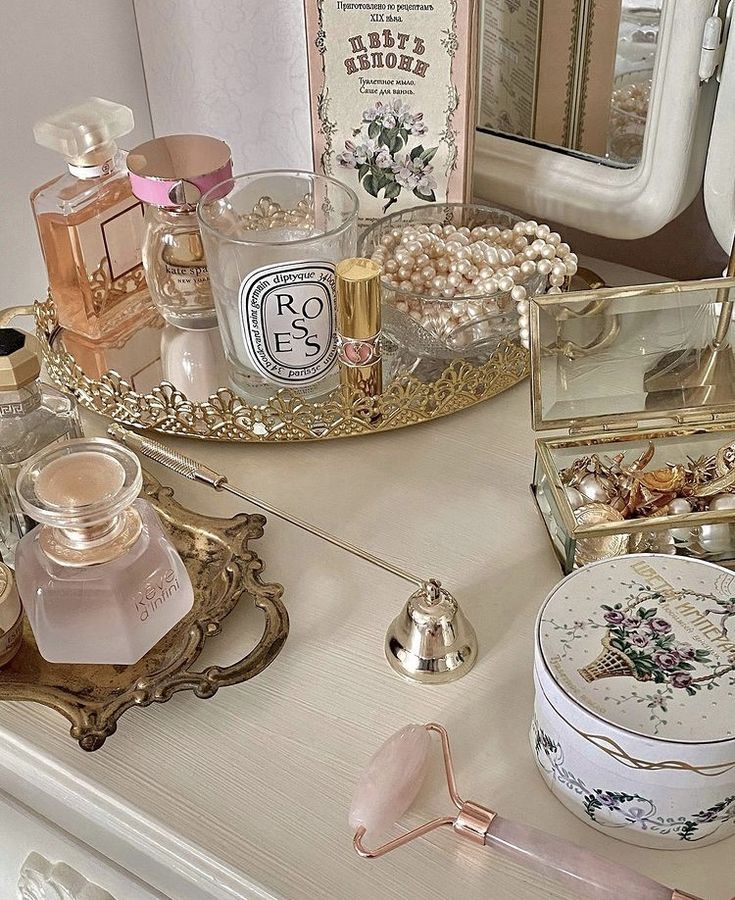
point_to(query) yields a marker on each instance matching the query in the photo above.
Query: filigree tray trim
(286, 416)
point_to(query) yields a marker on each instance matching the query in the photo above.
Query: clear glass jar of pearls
(456, 276)
(272, 240)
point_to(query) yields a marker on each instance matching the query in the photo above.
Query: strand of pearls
(443, 262)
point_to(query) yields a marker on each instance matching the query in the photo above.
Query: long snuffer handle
(197, 471)
(584, 873)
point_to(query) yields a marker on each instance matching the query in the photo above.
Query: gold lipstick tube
(359, 325)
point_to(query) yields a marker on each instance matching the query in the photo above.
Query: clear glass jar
(273, 240)
(100, 581)
(32, 416)
(175, 267)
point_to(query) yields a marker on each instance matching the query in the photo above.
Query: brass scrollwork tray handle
(224, 572)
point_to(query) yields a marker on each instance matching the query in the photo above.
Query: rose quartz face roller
(392, 780)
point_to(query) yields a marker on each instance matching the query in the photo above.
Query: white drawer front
(40, 862)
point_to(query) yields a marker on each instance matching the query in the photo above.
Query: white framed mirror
(582, 182)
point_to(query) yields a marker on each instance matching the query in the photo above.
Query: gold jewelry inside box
(659, 381)
(287, 416)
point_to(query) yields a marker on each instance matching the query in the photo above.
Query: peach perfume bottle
(99, 579)
(89, 223)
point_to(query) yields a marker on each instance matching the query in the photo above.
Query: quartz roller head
(392, 780)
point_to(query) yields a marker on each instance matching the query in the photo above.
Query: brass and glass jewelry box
(635, 390)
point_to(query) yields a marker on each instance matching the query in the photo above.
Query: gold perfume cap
(20, 360)
(358, 298)
(176, 170)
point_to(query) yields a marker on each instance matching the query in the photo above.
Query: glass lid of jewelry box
(623, 372)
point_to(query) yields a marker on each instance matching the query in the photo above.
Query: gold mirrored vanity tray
(124, 383)
(224, 571)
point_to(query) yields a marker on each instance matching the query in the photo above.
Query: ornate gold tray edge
(286, 416)
(93, 698)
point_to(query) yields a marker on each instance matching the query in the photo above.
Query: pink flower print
(383, 159)
(417, 125)
(640, 640)
(666, 660)
(680, 679)
(660, 626)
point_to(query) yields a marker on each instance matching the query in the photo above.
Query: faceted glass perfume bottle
(32, 416)
(99, 579)
(89, 223)
(169, 174)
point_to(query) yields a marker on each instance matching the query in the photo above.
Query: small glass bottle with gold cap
(32, 416)
(359, 325)
(169, 174)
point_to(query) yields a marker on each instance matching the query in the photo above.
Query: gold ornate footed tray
(142, 400)
(224, 571)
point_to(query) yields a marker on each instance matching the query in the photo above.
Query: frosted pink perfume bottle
(99, 579)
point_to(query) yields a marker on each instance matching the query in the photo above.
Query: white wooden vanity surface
(246, 795)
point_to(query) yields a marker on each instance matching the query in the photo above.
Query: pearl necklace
(484, 265)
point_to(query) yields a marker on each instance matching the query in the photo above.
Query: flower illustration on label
(287, 319)
(380, 153)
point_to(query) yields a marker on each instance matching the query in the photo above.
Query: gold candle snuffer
(431, 641)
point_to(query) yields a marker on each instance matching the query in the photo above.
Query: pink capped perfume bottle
(169, 174)
(99, 579)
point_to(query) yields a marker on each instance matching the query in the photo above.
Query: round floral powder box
(634, 726)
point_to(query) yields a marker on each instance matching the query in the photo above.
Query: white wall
(232, 68)
(54, 53)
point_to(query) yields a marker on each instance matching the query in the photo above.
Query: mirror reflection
(573, 74)
(194, 361)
